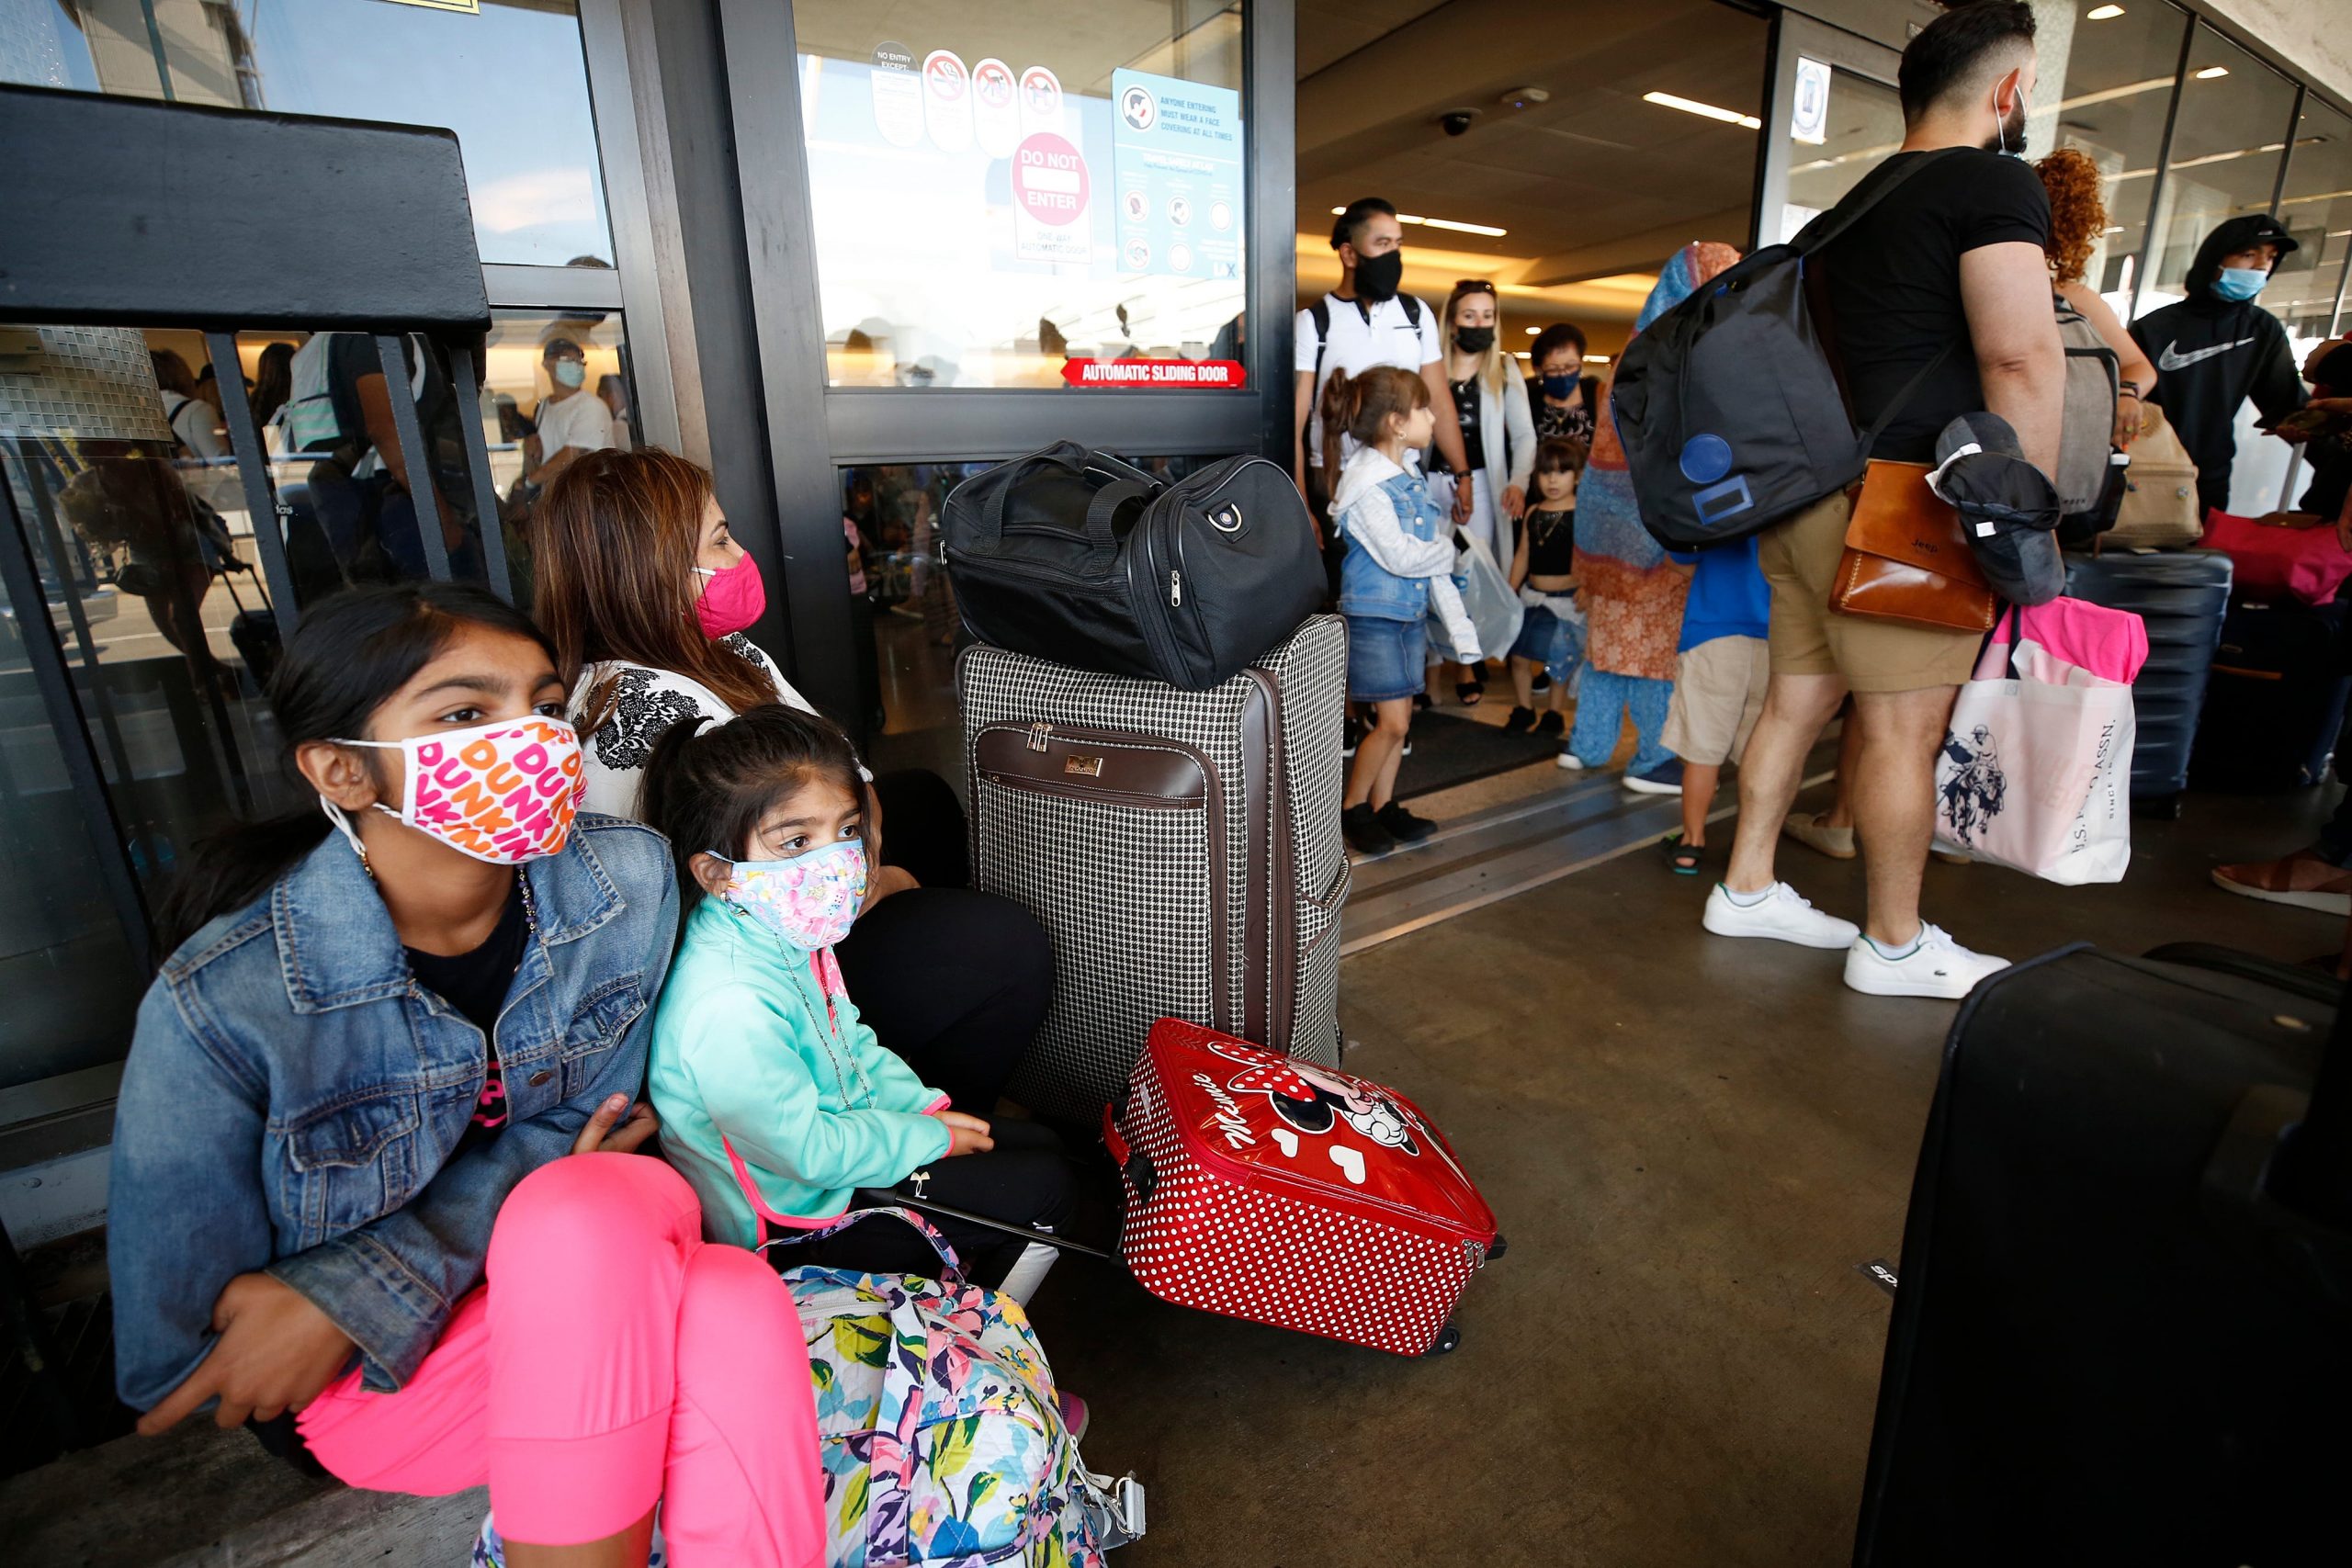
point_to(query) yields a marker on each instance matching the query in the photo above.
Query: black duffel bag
(1088, 560)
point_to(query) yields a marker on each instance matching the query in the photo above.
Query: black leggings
(1025, 1180)
(955, 982)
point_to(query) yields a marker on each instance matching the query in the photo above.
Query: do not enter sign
(1049, 179)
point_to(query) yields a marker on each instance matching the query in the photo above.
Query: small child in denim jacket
(1398, 573)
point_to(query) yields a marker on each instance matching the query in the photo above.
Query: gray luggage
(1182, 848)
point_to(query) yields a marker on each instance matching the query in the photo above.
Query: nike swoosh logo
(2173, 359)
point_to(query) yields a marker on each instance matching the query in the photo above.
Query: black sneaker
(1520, 721)
(1403, 826)
(1551, 724)
(1361, 825)
(1543, 682)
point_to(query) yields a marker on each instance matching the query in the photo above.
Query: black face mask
(1377, 277)
(1473, 340)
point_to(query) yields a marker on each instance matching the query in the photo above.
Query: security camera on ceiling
(1457, 121)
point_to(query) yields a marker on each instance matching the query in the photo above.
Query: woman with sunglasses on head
(372, 1188)
(1497, 437)
(648, 599)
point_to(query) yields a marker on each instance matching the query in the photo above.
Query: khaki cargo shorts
(1800, 560)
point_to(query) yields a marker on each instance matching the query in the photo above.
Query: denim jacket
(293, 1098)
(1396, 538)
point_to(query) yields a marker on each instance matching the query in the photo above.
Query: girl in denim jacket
(1397, 572)
(372, 1186)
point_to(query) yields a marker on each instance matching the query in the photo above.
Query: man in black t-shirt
(1944, 283)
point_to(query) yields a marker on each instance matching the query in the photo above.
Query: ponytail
(1337, 411)
(352, 654)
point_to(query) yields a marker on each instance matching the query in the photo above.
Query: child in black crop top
(1544, 571)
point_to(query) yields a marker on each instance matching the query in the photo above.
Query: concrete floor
(1694, 1144)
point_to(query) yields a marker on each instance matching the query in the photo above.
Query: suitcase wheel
(1447, 1338)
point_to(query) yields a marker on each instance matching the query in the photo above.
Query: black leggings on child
(1025, 1180)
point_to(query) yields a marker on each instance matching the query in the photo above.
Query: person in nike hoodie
(2217, 348)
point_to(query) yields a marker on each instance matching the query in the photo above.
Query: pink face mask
(503, 791)
(732, 599)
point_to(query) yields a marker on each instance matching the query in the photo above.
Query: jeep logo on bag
(1226, 519)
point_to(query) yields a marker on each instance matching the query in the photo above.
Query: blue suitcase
(2181, 596)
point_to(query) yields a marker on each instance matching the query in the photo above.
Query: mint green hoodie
(739, 1054)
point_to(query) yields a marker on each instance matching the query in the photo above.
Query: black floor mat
(1448, 750)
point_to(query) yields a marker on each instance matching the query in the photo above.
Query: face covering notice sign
(1176, 173)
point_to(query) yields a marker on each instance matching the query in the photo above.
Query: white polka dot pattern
(1296, 1256)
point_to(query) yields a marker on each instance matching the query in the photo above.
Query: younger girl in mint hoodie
(776, 1102)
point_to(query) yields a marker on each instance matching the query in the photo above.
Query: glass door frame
(813, 429)
(1794, 35)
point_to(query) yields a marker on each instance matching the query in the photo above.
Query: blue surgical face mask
(2240, 282)
(1559, 386)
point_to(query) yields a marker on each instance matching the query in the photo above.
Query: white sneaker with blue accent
(1779, 913)
(1935, 966)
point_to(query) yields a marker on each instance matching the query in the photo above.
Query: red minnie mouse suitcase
(1272, 1189)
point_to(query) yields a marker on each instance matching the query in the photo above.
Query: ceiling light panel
(1708, 111)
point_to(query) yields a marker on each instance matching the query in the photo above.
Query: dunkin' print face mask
(503, 791)
(809, 901)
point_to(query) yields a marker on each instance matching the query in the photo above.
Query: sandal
(1469, 693)
(1681, 858)
(1520, 721)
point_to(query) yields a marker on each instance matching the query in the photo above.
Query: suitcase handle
(1134, 1164)
(1111, 1139)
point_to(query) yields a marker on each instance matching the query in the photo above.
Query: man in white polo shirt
(1365, 321)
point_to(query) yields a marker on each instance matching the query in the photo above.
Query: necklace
(830, 1036)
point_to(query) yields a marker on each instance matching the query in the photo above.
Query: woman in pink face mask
(649, 601)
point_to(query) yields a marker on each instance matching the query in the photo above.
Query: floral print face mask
(809, 902)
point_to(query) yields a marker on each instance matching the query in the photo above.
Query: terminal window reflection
(510, 80)
(2228, 138)
(1000, 191)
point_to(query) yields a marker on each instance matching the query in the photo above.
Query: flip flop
(1469, 694)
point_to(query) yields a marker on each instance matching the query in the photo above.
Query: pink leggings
(611, 1358)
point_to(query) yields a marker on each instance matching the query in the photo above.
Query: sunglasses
(1474, 286)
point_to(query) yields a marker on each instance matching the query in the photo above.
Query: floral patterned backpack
(943, 1443)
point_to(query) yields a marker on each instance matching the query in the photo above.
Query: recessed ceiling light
(2104, 12)
(1596, 359)
(1522, 357)
(1533, 332)
(2212, 70)
(1692, 105)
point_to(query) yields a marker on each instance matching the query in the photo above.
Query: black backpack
(1085, 559)
(1729, 410)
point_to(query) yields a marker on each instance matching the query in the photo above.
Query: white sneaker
(1936, 967)
(1782, 914)
(1570, 761)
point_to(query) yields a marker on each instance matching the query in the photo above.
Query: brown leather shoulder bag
(1906, 558)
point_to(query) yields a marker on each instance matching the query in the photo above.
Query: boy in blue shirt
(1720, 675)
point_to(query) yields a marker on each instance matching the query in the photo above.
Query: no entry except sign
(1049, 179)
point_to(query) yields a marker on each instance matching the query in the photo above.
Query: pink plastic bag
(2110, 644)
(2303, 563)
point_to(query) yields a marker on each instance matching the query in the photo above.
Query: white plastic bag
(2035, 771)
(1494, 610)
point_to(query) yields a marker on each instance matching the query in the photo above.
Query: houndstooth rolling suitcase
(1182, 848)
